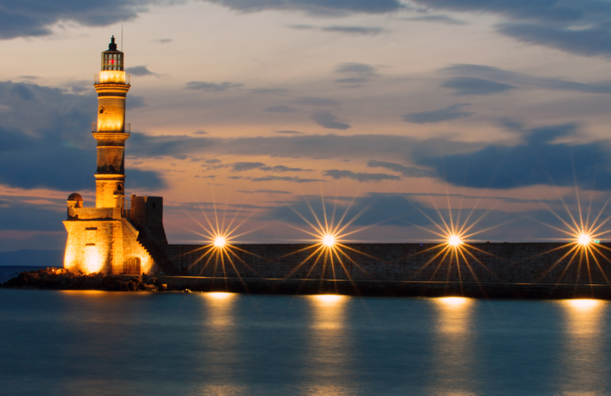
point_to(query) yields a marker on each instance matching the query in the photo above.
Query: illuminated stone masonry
(111, 238)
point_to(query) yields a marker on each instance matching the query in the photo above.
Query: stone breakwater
(61, 279)
(485, 270)
(488, 270)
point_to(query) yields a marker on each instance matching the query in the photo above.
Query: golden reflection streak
(218, 339)
(328, 299)
(583, 349)
(219, 295)
(452, 302)
(453, 346)
(328, 349)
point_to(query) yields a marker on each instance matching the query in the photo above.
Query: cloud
(543, 11)
(362, 69)
(315, 101)
(266, 192)
(211, 87)
(593, 41)
(272, 192)
(526, 81)
(316, 7)
(447, 113)
(50, 150)
(328, 146)
(289, 132)
(409, 171)
(367, 210)
(200, 133)
(329, 121)
(24, 19)
(361, 211)
(268, 91)
(361, 177)
(282, 168)
(355, 30)
(140, 71)
(163, 41)
(245, 166)
(475, 164)
(352, 30)
(411, 218)
(578, 27)
(446, 20)
(284, 178)
(536, 161)
(77, 87)
(356, 73)
(401, 210)
(474, 86)
(134, 102)
(280, 109)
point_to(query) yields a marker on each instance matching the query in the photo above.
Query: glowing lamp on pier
(220, 241)
(584, 239)
(328, 240)
(454, 240)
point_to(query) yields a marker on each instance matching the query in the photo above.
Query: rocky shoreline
(62, 279)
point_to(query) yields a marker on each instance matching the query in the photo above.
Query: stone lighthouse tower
(110, 238)
(112, 87)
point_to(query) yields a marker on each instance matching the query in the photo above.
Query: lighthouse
(118, 236)
(110, 135)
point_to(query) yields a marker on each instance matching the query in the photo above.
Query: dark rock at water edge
(62, 279)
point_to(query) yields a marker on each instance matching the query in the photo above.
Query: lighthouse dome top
(112, 59)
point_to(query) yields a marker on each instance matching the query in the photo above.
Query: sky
(395, 117)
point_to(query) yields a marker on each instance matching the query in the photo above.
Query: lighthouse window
(101, 110)
(112, 61)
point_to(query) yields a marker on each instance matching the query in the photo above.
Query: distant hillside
(43, 258)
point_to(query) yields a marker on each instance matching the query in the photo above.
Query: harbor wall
(503, 270)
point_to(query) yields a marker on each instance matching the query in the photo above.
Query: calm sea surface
(102, 343)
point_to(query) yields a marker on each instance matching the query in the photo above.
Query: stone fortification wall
(146, 214)
(486, 262)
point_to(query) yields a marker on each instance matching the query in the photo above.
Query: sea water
(115, 343)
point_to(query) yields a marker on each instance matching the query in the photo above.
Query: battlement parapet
(94, 213)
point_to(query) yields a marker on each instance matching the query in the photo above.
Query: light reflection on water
(220, 343)
(83, 343)
(328, 347)
(584, 327)
(453, 346)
